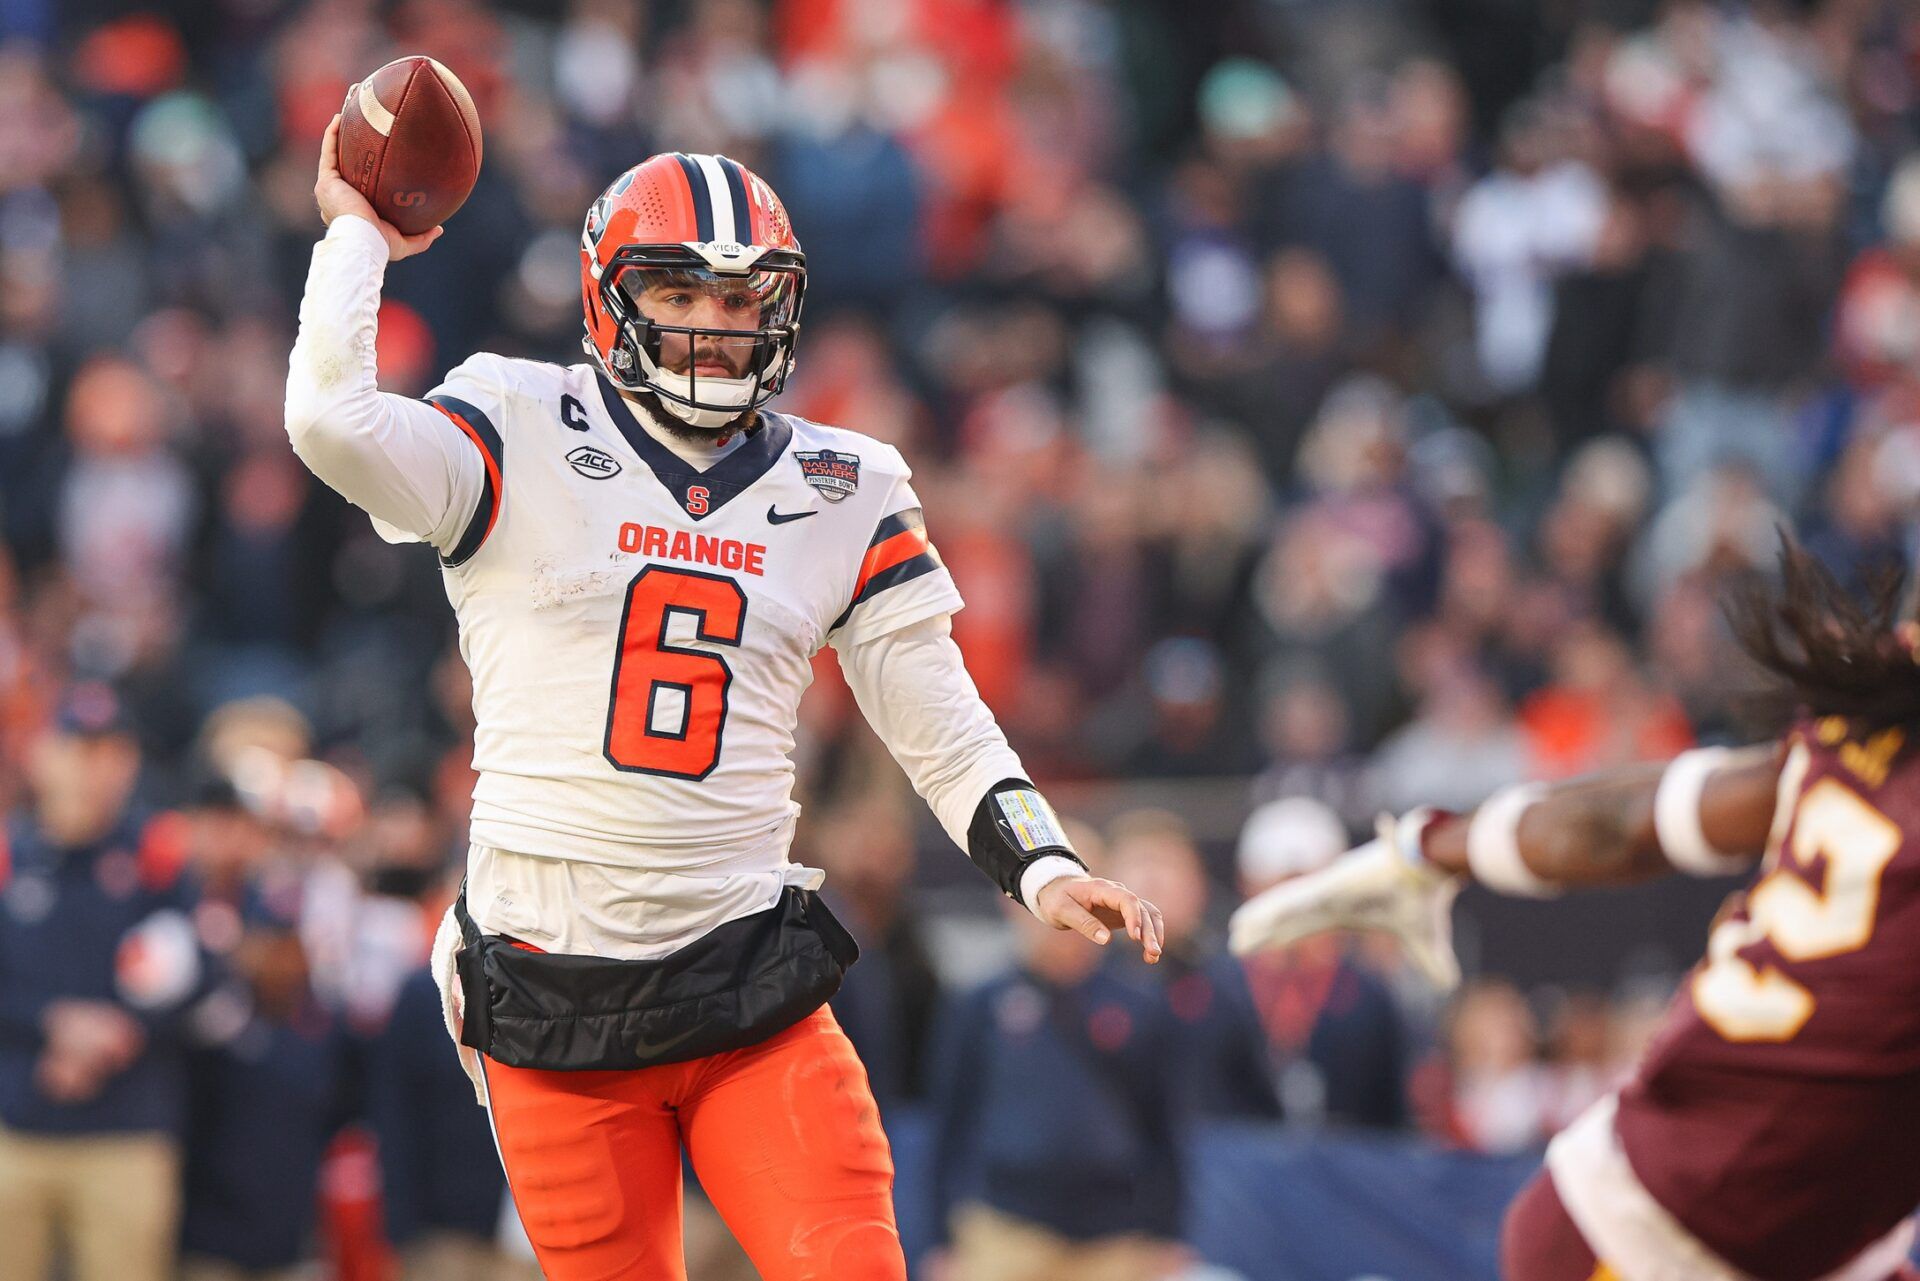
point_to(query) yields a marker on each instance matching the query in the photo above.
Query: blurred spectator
(98, 969)
(1459, 747)
(441, 1182)
(365, 919)
(1309, 744)
(1869, 509)
(1333, 1030)
(1724, 523)
(1225, 1067)
(1058, 1120)
(229, 846)
(125, 512)
(1190, 729)
(1208, 514)
(857, 191)
(1595, 374)
(1597, 711)
(1536, 216)
(1587, 533)
(887, 1003)
(1373, 224)
(1287, 838)
(1289, 368)
(1582, 1058)
(1501, 1095)
(265, 1101)
(1877, 315)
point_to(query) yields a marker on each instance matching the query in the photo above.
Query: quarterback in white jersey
(643, 560)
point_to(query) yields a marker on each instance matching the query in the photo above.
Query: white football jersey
(640, 632)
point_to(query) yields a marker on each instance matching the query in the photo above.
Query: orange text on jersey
(698, 549)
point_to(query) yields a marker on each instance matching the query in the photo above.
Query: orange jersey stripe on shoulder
(903, 546)
(486, 455)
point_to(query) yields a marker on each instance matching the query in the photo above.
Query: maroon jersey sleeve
(1776, 1114)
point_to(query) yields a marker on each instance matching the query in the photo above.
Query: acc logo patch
(834, 475)
(592, 463)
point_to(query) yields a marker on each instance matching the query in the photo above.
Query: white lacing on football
(374, 110)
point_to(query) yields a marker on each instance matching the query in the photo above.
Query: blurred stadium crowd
(1343, 399)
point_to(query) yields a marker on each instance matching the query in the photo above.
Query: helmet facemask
(643, 287)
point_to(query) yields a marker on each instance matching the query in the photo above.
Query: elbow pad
(1012, 827)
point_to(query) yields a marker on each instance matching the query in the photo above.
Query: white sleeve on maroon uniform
(902, 579)
(412, 467)
(912, 686)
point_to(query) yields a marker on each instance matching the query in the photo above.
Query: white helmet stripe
(723, 228)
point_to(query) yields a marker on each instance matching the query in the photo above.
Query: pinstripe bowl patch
(834, 474)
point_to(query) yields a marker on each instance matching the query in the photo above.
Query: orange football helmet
(700, 225)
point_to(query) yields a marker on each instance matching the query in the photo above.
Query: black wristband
(1003, 849)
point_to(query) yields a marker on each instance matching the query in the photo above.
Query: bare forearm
(1591, 831)
(1600, 830)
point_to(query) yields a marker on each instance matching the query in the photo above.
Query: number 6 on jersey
(668, 706)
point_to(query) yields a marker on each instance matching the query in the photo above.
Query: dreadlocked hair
(1828, 651)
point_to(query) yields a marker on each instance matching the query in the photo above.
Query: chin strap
(654, 412)
(661, 407)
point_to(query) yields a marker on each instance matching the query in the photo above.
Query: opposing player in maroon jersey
(1772, 1131)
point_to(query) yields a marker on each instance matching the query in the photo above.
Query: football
(410, 143)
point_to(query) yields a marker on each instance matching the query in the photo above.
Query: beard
(746, 423)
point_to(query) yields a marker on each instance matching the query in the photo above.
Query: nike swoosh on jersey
(781, 518)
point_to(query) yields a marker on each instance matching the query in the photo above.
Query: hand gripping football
(410, 143)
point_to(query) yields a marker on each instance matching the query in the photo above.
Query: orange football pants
(784, 1136)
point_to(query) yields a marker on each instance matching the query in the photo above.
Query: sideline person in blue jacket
(99, 966)
(441, 1179)
(265, 1102)
(1059, 1121)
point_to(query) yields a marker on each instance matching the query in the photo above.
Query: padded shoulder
(878, 459)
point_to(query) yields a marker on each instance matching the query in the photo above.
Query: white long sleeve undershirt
(912, 686)
(400, 460)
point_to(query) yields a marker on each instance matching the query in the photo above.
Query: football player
(643, 559)
(1769, 1131)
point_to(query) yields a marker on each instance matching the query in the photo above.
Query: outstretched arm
(1707, 812)
(403, 462)
(912, 685)
(1606, 829)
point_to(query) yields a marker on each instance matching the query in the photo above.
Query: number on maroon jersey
(1819, 899)
(669, 703)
